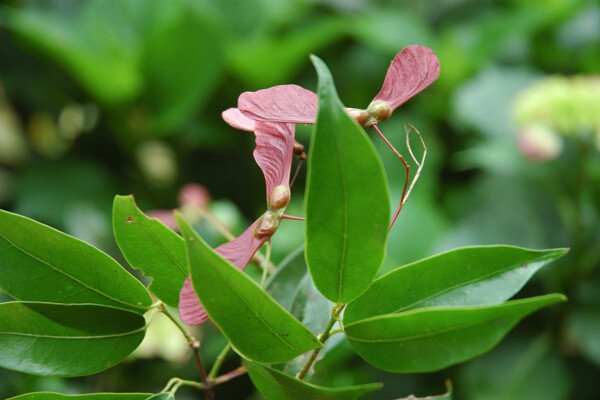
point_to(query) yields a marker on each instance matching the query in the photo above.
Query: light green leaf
(91, 396)
(462, 277)
(66, 340)
(150, 246)
(430, 339)
(275, 384)
(39, 263)
(258, 327)
(347, 201)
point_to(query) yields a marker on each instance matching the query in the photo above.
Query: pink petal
(284, 103)
(236, 119)
(412, 70)
(239, 252)
(274, 151)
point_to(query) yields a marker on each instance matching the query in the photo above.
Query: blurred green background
(101, 97)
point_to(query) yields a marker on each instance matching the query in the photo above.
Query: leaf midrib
(437, 332)
(41, 336)
(267, 325)
(466, 283)
(69, 276)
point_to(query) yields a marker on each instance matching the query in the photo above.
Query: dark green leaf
(430, 339)
(39, 263)
(275, 384)
(66, 340)
(91, 396)
(150, 246)
(347, 201)
(462, 277)
(258, 327)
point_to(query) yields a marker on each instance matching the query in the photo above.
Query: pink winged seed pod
(273, 153)
(411, 71)
(271, 115)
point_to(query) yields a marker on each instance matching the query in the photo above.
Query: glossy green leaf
(153, 248)
(347, 201)
(91, 396)
(39, 263)
(257, 326)
(430, 339)
(275, 384)
(66, 340)
(463, 277)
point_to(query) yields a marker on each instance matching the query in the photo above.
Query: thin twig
(335, 313)
(285, 216)
(194, 345)
(266, 264)
(420, 164)
(296, 173)
(219, 362)
(406, 167)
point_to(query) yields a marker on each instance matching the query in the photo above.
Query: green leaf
(258, 327)
(150, 246)
(283, 283)
(462, 277)
(430, 339)
(445, 396)
(347, 201)
(66, 340)
(39, 263)
(275, 384)
(162, 396)
(91, 396)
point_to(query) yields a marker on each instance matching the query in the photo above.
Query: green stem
(174, 384)
(182, 382)
(266, 264)
(335, 313)
(194, 345)
(219, 362)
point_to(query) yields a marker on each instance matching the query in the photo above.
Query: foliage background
(101, 97)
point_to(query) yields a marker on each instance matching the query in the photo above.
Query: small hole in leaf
(191, 238)
(129, 220)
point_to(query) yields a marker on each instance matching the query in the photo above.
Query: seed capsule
(380, 110)
(279, 198)
(266, 226)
